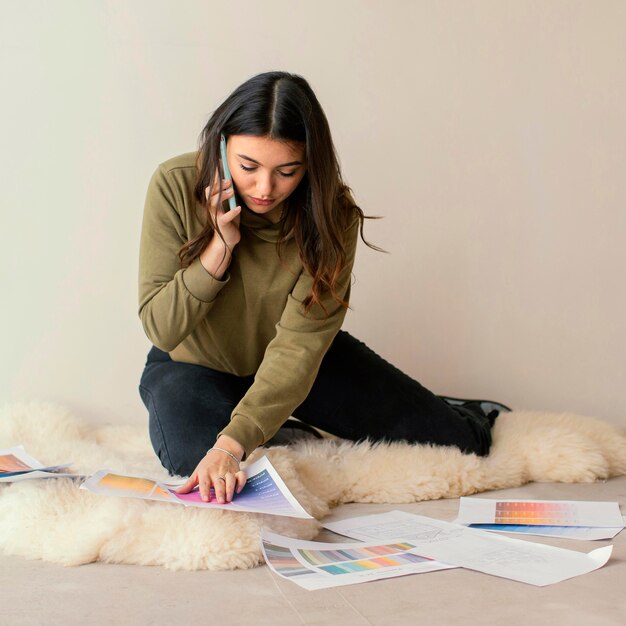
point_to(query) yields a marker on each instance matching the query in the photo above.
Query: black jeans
(356, 395)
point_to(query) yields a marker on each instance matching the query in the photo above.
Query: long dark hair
(282, 106)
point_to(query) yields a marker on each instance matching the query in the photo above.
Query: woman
(244, 307)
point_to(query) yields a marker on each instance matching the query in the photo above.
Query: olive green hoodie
(250, 322)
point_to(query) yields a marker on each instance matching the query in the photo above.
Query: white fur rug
(53, 520)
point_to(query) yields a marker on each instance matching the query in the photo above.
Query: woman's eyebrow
(247, 158)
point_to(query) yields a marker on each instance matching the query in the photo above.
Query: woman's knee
(185, 414)
(158, 438)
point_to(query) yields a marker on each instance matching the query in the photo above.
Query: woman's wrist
(230, 445)
(216, 258)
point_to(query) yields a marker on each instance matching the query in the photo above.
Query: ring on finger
(221, 478)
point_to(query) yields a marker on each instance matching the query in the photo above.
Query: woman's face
(265, 171)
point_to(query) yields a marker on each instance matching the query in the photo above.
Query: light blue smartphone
(232, 201)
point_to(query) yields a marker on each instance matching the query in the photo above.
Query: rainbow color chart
(536, 513)
(283, 561)
(361, 559)
(315, 565)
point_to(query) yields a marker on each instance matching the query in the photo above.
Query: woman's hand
(219, 470)
(217, 255)
(228, 221)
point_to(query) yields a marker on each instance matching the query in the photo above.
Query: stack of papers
(16, 465)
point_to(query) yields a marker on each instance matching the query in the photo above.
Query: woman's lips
(261, 202)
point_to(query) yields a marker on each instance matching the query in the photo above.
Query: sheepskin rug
(53, 520)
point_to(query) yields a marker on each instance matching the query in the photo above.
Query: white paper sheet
(17, 465)
(316, 565)
(264, 492)
(527, 562)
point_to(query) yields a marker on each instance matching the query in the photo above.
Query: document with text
(524, 561)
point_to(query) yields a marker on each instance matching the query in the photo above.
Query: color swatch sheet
(524, 561)
(550, 518)
(16, 464)
(541, 512)
(315, 565)
(264, 491)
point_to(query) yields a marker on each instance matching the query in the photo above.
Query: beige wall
(491, 136)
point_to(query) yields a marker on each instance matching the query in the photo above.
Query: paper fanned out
(16, 465)
(527, 562)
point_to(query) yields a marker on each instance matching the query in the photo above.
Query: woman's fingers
(230, 482)
(229, 216)
(213, 193)
(192, 481)
(225, 485)
(219, 484)
(225, 222)
(218, 473)
(240, 480)
(205, 488)
(227, 191)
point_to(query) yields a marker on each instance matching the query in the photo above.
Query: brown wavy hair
(282, 106)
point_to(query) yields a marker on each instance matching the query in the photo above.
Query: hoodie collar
(260, 225)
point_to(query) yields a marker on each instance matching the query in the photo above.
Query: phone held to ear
(232, 201)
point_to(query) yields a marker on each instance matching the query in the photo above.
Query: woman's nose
(264, 185)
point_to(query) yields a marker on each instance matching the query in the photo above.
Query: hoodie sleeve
(172, 301)
(292, 359)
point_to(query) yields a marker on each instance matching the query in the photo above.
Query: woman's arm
(292, 359)
(172, 301)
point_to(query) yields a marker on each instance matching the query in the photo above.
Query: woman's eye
(252, 169)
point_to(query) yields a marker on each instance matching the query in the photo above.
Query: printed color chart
(361, 559)
(284, 562)
(536, 513)
(131, 486)
(314, 565)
